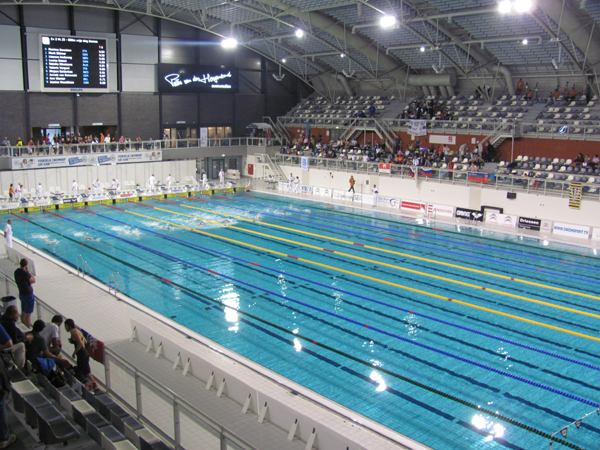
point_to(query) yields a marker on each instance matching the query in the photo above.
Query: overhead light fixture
(437, 69)
(387, 21)
(422, 49)
(555, 64)
(229, 43)
(299, 33)
(279, 77)
(283, 60)
(523, 6)
(342, 55)
(348, 73)
(525, 41)
(505, 6)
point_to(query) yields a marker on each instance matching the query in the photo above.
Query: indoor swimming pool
(453, 336)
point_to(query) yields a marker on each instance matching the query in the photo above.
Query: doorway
(217, 165)
(173, 136)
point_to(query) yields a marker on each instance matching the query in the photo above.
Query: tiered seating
(341, 108)
(573, 117)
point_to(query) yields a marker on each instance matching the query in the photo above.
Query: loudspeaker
(511, 195)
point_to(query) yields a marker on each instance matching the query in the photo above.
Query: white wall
(535, 206)
(63, 177)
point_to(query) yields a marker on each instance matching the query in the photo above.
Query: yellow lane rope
(522, 319)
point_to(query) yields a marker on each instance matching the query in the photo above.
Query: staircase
(279, 131)
(278, 174)
(501, 132)
(358, 126)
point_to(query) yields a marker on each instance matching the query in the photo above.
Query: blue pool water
(357, 308)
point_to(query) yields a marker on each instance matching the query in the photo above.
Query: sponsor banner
(64, 205)
(5, 211)
(92, 203)
(155, 197)
(48, 207)
(283, 186)
(33, 209)
(388, 202)
(575, 196)
(385, 168)
(78, 205)
(530, 224)
(41, 202)
(442, 139)
(106, 202)
(90, 159)
(547, 226)
(501, 219)
(418, 128)
(440, 210)
(322, 192)
(182, 195)
(121, 200)
(10, 205)
(342, 195)
(565, 229)
(229, 190)
(175, 195)
(307, 190)
(129, 194)
(69, 200)
(412, 206)
(96, 197)
(304, 162)
(477, 177)
(469, 214)
(596, 234)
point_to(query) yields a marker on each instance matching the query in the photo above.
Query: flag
(564, 432)
(412, 172)
(426, 171)
(578, 424)
(94, 347)
(418, 128)
(477, 177)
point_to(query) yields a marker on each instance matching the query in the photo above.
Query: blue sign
(304, 163)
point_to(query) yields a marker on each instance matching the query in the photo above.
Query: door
(217, 165)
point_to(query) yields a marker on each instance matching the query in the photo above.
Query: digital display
(174, 78)
(74, 63)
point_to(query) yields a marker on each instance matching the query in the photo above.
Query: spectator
(578, 161)
(16, 348)
(6, 437)
(24, 281)
(595, 162)
(11, 191)
(51, 334)
(588, 93)
(529, 95)
(80, 353)
(520, 86)
(9, 323)
(556, 94)
(371, 111)
(572, 94)
(37, 348)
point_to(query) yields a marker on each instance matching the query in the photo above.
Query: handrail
(85, 267)
(117, 283)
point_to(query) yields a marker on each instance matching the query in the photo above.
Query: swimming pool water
(372, 290)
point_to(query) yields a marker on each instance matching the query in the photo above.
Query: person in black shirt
(8, 322)
(24, 281)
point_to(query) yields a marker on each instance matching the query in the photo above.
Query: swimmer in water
(225, 221)
(51, 241)
(166, 227)
(87, 238)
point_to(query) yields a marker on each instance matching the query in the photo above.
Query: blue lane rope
(409, 341)
(480, 258)
(444, 322)
(429, 237)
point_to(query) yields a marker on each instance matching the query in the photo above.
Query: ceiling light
(525, 41)
(299, 32)
(505, 6)
(229, 43)
(342, 55)
(523, 6)
(423, 49)
(387, 21)
(283, 60)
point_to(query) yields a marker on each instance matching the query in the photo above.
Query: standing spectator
(80, 353)
(24, 281)
(10, 191)
(588, 93)
(352, 182)
(8, 233)
(51, 334)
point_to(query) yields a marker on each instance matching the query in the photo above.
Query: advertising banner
(388, 202)
(501, 219)
(307, 190)
(203, 137)
(413, 206)
(469, 214)
(477, 177)
(322, 192)
(440, 210)
(596, 234)
(547, 226)
(530, 224)
(418, 128)
(442, 139)
(342, 195)
(304, 162)
(385, 168)
(43, 162)
(565, 229)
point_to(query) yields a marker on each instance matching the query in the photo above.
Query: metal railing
(115, 283)
(84, 268)
(151, 145)
(509, 183)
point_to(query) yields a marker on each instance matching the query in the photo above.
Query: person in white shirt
(8, 233)
(74, 187)
(115, 184)
(170, 180)
(297, 185)
(221, 177)
(152, 182)
(204, 180)
(38, 190)
(366, 158)
(271, 182)
(96, 185)
(19, 191)
(51, 335)
(375, 192)
(290, 182)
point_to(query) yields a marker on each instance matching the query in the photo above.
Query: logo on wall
(304, 163)
(530, 224)
(469, 214)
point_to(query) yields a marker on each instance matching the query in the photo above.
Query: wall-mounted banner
(469, 214)
(342, 195)
(440, 210)
(501, 219)
(307, 190)
(575, 196)
(547, 226)
(322, 192)
(185, 78)
(304, 162)
(385, 168)
(413, 206)
(566, 229)
(204, 137)
(418, 128)
(91, 159)
(596, 234)
(477, 177)
(442, 139)
(388, 202)
(530, 224)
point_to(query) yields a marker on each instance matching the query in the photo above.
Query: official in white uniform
(290, 182)
(271, 182)
(74, 188)
(38, 190)
(96, 185)
(296, 185)
(115, 184)
(170, 180)
(8, 233)
(375, 192)
(204, 180)
(19, 191)
(152, 182)
(221, 177)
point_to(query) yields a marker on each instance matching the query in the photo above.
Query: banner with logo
(547, 226)
(575, 196)
(385, 168)
(307, 190)
(283, 186)
(388, 202)
(418, 128)
(596, 234)
(469, 214)
(343, 195)
(530, 224)
(85, 159)
(442, 139)
(412, 206)
(501, 219)
(565, 229)
(477, 177)
(440, 210)
(322, 192)
(304, 162)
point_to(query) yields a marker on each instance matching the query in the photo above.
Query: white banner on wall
(388, 202)
(596, 234)
(566, 229)
(322, 192)
(442, 139)
(547, 226)
(413, 206)
(307, 190)
(44, 162)
(342, 195)
(304, 162)
(440, 210)
(203, 137)
(501, 219)
(418, 128)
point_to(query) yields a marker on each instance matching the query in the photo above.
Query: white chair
(502, 164)
(550, 176)
(465, 161)
(549, 168)
(525, 158)
(536, 167)
(570, 178)
(568, 161)
(562, 169)
(519, 158)
(555, 161)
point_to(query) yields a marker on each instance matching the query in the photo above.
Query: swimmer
(166, 227)
(225, 221)
(87, 238)
(51, 241)
(201, 223)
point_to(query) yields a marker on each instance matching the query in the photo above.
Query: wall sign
(469, 214)
(565, 229)
(530, 224)
(185, 78)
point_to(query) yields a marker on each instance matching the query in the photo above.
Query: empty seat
(33, 402)
(18, 391)
(94, 422)
(53, 427)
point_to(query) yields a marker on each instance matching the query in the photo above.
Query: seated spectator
(9, 320)
(595, 162)
(80, 353)
(555, 94)
(51, 334)
(572, 94)
(587, 160)
(529, 95)
(17, 349)
(520, 86)
(578, 161)
(36, 347)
